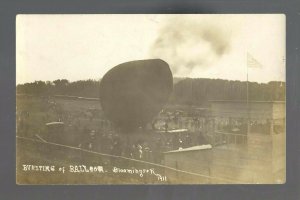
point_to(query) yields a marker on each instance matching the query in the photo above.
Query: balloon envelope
(132, 93)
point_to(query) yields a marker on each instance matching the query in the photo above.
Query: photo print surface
(150, 99)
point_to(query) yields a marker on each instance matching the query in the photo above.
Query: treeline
(186, 91)
(84, 88)
(200, 91)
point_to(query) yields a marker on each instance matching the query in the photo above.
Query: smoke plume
(186, 43)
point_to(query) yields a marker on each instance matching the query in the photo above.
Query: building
(248, 143)
(191, 160)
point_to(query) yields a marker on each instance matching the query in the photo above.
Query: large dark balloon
(132, 93)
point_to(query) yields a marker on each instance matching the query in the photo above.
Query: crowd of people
(148, 146)
(88, 130)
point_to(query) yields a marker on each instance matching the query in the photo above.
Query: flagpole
(253, 63)
(247, 97)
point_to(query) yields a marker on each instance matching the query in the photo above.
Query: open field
(86, 138)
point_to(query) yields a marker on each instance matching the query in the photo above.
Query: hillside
(187, 91)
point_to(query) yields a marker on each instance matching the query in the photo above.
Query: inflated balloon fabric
(132, 93)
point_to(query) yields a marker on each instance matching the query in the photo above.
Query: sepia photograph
(164, 99)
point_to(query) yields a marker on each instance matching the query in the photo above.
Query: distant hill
(187, 91)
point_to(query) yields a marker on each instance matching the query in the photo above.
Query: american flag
(252, 62)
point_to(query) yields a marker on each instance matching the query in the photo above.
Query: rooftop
(194, 148)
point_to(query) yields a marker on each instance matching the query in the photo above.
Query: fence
(218, 138)
(120, 170)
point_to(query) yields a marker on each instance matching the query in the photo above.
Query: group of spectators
(150, 148)
(86, 130)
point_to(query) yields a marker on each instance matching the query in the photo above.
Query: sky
(80, 47)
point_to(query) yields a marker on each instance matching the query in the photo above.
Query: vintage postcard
(150, 99)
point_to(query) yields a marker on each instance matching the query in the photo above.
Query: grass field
(34, 146)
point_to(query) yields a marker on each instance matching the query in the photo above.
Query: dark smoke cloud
(186, 43)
